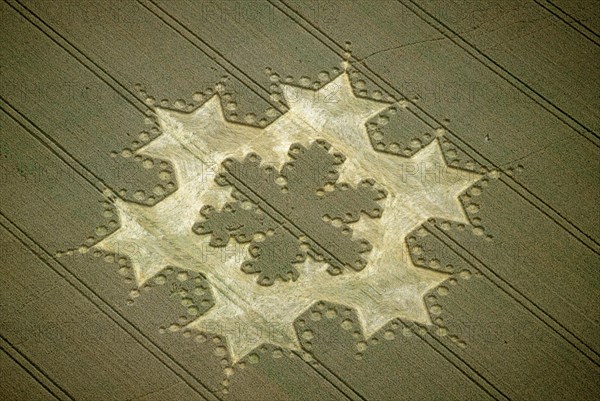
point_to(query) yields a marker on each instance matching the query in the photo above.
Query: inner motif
(289, 214)
(418, 188)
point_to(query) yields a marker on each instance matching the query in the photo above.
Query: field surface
(300, 200)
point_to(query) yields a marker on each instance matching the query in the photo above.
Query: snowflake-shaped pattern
(290, 213)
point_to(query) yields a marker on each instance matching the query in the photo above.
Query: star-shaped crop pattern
(390, 286)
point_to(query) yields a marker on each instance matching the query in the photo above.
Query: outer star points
(248, 314)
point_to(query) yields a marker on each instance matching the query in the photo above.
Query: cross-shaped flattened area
(288, 214)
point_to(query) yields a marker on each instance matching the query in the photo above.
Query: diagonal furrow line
(574, 23)
(33, 370)
(277, 216)
(430, 120)
(103, 306)
(335, 380)
(501, 71)
(339, 384)
(460, 364)
(508, 181)
(78, 55)
(49, 143)
(86, 174)
(209, 51)
(95, 66)
(514, 293)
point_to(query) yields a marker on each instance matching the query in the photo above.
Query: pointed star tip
(215, 105)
